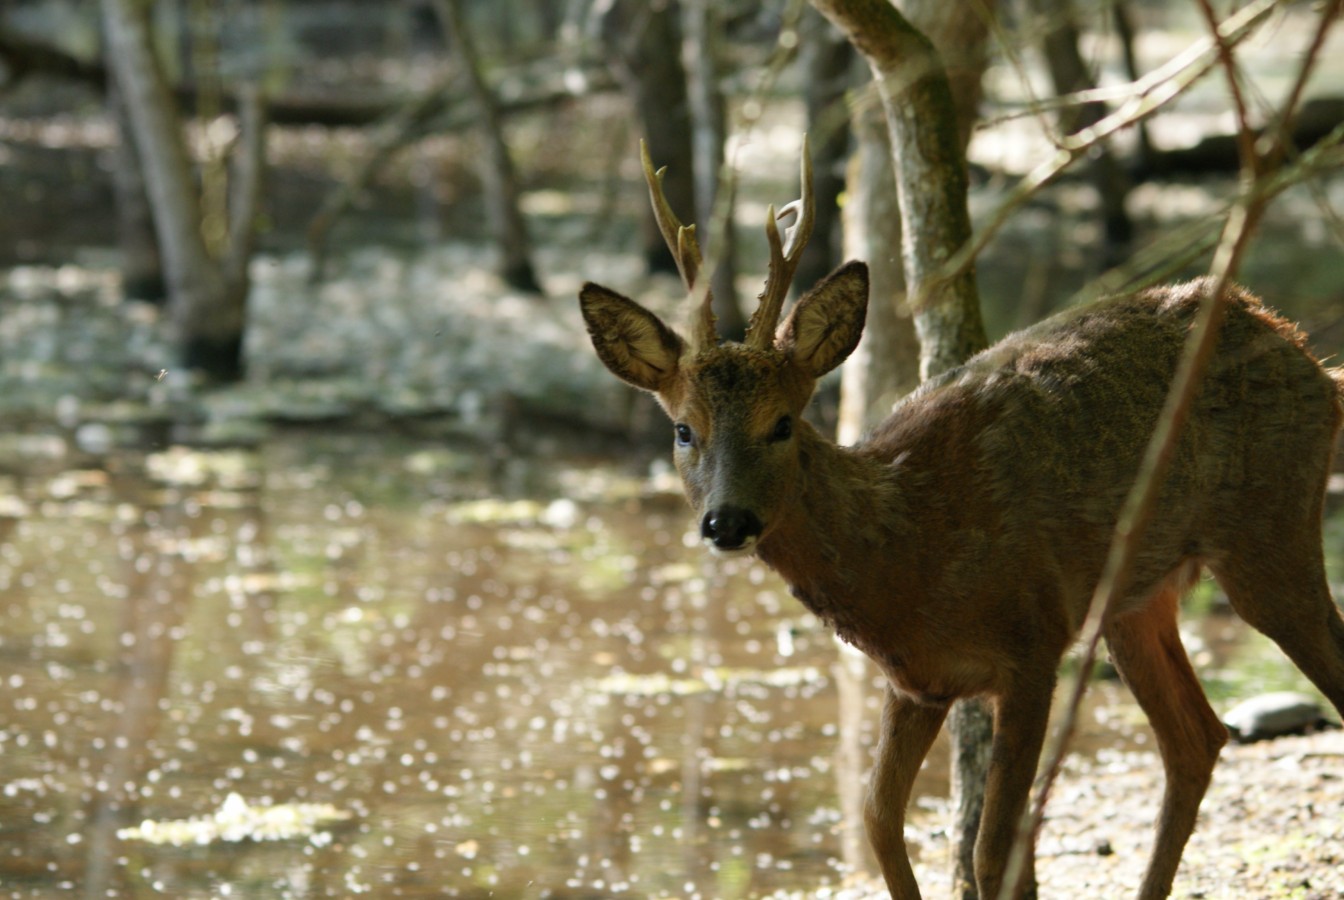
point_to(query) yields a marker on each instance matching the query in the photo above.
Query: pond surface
(506, 678)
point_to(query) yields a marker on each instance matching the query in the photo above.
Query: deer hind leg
(1146, 648)
(1283, 593)
(908, 730)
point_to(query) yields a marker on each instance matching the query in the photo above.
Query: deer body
(960, 543)
(995, 489)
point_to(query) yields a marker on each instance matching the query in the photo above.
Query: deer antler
(784, 257)
(686, 249)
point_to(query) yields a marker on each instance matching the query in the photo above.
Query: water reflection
(545, 695)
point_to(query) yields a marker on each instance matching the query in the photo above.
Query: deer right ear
(827, 322)
(632, 342)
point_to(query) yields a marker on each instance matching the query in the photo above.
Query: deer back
(1036, 441)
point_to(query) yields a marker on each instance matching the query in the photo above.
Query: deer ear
(826, 323)
(631, 341)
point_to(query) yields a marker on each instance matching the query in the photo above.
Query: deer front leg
(908, 730)
(1020, 718)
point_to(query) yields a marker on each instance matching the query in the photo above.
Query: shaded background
(409, 551)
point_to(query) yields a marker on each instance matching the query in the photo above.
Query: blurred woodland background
(295, 188)
(221, 216)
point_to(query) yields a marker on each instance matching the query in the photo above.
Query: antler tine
(685, 249)
(784, 257)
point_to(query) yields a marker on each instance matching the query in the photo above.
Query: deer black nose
(730, 527)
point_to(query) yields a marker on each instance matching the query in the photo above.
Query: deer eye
(684, 434)
(783, 429)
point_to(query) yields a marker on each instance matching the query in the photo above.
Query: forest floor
(1271, 826)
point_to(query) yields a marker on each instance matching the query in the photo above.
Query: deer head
(736, 408)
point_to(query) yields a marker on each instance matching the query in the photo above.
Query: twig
(1245, 134)
(1135, 516)
(1181, 247)
(1141, 501)
(1161, 86)
(1035, 107)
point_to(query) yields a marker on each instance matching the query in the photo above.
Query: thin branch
(1280, 131)
(1245, 133)
(247, 182)
(1035, 106)
(1161, 86)
(1141, 502)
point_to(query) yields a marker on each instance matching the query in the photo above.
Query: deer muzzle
(730, 530)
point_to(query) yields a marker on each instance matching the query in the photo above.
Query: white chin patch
(745, 550)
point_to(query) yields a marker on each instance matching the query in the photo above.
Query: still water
(502, 678)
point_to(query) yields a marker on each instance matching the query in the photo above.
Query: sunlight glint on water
(541, 695)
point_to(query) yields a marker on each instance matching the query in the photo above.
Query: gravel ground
(1271, 826)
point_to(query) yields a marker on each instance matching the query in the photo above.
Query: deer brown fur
(960, 543)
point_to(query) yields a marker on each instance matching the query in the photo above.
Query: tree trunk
(645, 42)
(828, 61)
(931, 176)
(1070, 74)
(141, 264)
(499, 178)
(247, 182)
(207, 313)
(885, 365)
(960, 36)
(929, 130)
(713, 207)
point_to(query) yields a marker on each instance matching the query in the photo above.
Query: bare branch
(1159, 88)
(1280, 132)
(1142, 498)
(1245, 132)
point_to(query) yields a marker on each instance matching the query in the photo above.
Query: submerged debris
(237, 820)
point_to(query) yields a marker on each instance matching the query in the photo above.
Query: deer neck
(828, 544)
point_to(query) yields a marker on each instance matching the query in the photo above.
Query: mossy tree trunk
(644, 43)
(499, 176)
(701, 56)
(929, 130)
(830, 65)
(207, 293)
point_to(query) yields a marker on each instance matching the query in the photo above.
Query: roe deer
(959, 544)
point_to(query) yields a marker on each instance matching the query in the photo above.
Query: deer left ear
(637, 346)
(826, 323)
